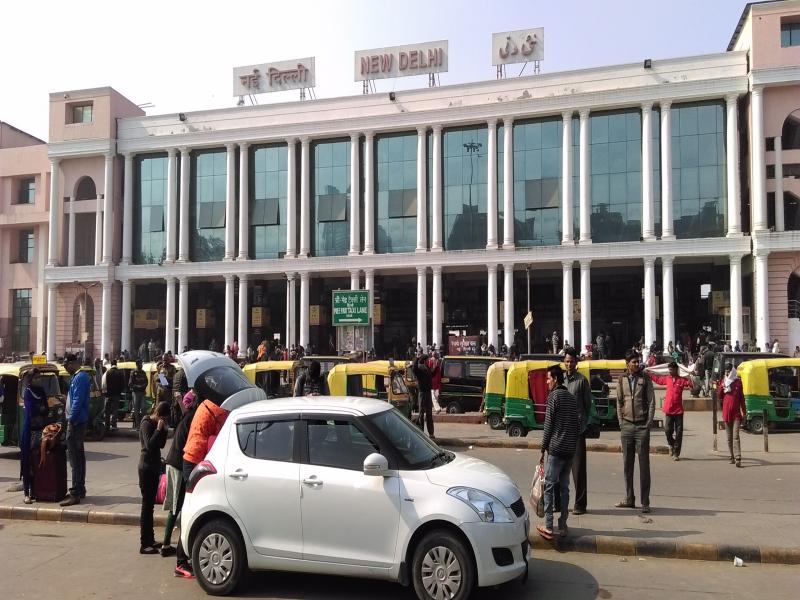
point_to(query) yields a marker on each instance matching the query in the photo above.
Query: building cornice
(776, 241)
(81, 148)
(788, 75)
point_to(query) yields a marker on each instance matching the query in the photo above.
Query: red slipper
(544, 532)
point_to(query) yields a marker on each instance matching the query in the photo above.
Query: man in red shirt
(673, 407)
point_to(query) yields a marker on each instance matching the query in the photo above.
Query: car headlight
(489, 508)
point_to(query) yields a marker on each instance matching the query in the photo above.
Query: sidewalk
(703, 508)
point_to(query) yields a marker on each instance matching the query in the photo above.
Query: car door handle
(312, 481)
(239, 475)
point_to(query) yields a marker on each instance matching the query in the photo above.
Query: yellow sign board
(204, 318)
(256, 317)
(147, 318)
(314, 314)
(38, 359)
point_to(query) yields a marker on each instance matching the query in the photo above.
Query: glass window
(477, 369)
(396, 198)
(207, 207)
(417, 450)
(27, 191)
(454, 369)
(790, 34)
(268, 204)
(267, 440)
(149, 202)
(465, 188)
(25, 246)
(331, 188)
(82, 113)
(20, 320)
(698, 170)
(339, 444)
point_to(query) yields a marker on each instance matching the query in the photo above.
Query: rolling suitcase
(50, 479)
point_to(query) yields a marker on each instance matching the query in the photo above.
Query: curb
(534, 445)
(590, 544)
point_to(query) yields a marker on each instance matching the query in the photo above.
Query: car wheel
(218, 558)
(495, 421)
(756, 425)
(443, 568)
(515, 430)
(454, 408)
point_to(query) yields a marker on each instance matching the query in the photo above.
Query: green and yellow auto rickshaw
(526, 396)
(601, 375)
(379, 379)
(771, 386)
(494, 395)
(275, 377)
(12, 378)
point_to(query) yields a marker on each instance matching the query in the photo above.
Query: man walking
(636, 405)
(77, 419)
(577, 385)
(561, 426)
(137, 383)
(673, 407)
(424, 382)
(113, 386)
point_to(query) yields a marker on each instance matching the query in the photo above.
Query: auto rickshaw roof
(18, 369)
(470, 357)
(378, 367)
(270, 365)
(496, 376)
(754, 373)
(588, 365)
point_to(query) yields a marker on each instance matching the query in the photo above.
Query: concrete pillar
(508, 300)
(127, 212)
(422, 190)
(98, 231)
(244, 311)
(758, 196)
(52, 301)
(355, 276)
(436, 307)
(126, 341)
(508, 185)
(422, 306)
(305, 199)
(355, 195)
(732, 166)
(230, 207)
(186, 170)
(780, 221)
(291, 197)
(183, 314)
(585, 181)
(567, 324)
(667, 231)
(566, 180)
(305, 282)
(586, 304)
(761, 261)
(229, 310)
(436, 189)
(105, 320)
(169, 329)
(369, 193)
(649, 301)
(108, 211)
(736, 299)
(172, 205)
(491, 191)
(491, 305)
(291, 336)
(648, 221)
(71, 236)
(55, 208)
(244, 208)
(668, 298)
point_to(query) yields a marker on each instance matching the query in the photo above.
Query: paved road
(73, 562)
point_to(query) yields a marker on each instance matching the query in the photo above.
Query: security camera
(66, 96)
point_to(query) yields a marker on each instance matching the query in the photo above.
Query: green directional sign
(350, 307)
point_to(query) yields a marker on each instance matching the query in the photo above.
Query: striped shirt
(561, 423)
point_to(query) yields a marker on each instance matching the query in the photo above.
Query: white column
(649, 301)
(355, 279)
(436, 307)
(436, 189)
(186, 170)
(667, 232)
(422, 306)
(105, 320)
(736, 298)
(508, 186)
(758, 196)
(761, 259)
(491, 305)
(52, 300)
(304, 308)
(508, 301)
(422, 188)
(98, 231)
(355, 196)
(229, 310)
(243, 316)
(291, 337)
(172, 205)
(41, 293)
(586, 304)
(108, 211)
(52, 235)
(244, 206)
(305, 199)
(183, 313)
(780, 223)
(169, 329)
(125, 341)
(230, 207)
(127, 212)
(369, 285)
(648, 224)
(566, 180)
(491, 193)
(668, 297)
(291, 198)
(71, 236)
(585, 181)
(369, 193)
(567, 323)
(732, 166)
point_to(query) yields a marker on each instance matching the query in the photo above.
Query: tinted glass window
(415, 447)
(268, 190)
(464, 180)
(209, 190)
(339, 444)
(396, 199)
(454, 369)
(267, 440)
(150, 198)
(330, 228)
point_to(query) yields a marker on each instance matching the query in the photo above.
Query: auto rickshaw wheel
(756, 425)
(454, 408)
(515, 430)
(495, 421)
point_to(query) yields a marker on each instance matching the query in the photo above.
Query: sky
(179, 55)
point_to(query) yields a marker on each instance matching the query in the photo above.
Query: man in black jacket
(577, 385)
(560, 439)
(114, 388)
(137, 384)
(425, 383)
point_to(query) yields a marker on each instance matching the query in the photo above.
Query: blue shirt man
(78, 398)
(77, 421)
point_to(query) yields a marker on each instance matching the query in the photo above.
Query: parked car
(463, 382)
(350, 487)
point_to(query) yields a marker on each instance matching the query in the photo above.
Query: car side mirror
(376, 465)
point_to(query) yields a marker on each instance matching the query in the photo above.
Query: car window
(267, 440)
(477, 369)
(415, 447)
(340, 444)
(454, 370)
(783, 381)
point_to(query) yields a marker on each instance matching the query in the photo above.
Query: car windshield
(415, 447)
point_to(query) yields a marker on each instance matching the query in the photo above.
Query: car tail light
(201, 470)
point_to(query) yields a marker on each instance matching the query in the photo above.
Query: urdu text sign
(350, 307)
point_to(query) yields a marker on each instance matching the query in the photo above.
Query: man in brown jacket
(636, 405)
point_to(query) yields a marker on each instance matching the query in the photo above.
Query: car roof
(345, 405)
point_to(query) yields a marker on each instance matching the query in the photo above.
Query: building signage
(257, 317)
(460, 345)
(401, 61)
(511, 47)
(350, 307)
(204, 318)
(274, 77)
(146, 318)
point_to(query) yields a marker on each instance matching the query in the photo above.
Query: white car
(348, 486)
